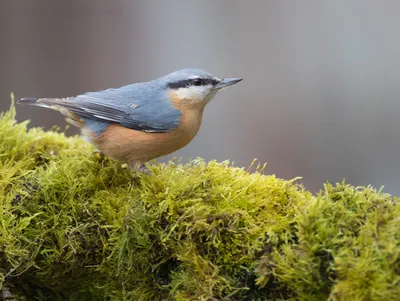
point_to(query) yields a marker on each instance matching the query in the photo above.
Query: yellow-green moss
(76, 226)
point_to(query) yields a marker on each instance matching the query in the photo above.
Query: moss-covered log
(76, 226)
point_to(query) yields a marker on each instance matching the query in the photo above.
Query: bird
(142, 121)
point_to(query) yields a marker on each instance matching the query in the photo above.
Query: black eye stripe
(193, 82)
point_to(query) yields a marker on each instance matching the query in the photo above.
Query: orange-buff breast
(137, 147)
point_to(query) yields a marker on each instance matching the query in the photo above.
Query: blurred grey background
(321, 89)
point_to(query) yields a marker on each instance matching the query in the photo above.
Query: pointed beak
(227, 82)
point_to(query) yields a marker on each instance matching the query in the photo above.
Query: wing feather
(134, 106)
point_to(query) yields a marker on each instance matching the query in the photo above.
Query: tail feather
(55, 104)
(33, 101)
(28, 101)
(40, 102)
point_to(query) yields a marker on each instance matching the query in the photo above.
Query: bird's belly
(136, 146)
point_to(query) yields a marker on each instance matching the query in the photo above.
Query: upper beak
(227, 82)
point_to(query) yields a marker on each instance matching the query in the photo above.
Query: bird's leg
(96, 151)
(100, 153)
(144, 169)
(140, 167)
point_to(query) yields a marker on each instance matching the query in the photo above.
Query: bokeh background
(321, 89)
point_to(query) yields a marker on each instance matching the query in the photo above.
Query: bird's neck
(192, 114)
(191, 121)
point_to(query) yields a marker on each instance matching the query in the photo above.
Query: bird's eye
(197, 82)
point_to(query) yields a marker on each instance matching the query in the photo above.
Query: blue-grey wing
(140, 107)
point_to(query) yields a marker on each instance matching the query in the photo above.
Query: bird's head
(194, 87)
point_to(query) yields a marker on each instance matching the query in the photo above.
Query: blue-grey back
(141, 106)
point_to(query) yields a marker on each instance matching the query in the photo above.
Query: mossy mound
(75, 226)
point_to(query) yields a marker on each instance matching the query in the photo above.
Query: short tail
(57, 104)
(27, 101)
(32, 101)
(52, 103)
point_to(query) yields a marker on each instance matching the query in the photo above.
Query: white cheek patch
(196, 93)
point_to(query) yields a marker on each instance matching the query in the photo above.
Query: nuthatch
(142, 121)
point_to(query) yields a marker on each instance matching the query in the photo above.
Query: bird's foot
(100, 154)
(143, 169)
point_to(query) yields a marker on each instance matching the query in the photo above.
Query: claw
(99, 153)
(144, 169)
(141, 168)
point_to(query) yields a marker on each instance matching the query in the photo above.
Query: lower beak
(227, 82)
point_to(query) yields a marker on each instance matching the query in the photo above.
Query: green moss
(75, 226)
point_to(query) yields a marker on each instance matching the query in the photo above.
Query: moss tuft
(76, 226)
